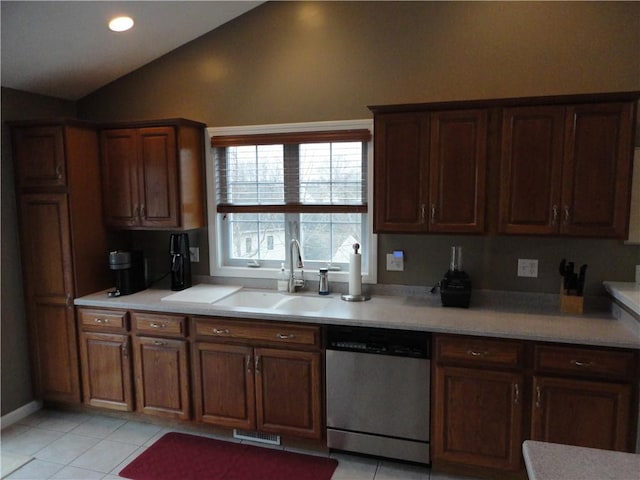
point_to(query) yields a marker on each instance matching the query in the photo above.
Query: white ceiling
(64, 48)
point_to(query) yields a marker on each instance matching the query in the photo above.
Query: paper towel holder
(359, 297)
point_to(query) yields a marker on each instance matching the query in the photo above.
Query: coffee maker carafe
(129, 272)
(180, 261)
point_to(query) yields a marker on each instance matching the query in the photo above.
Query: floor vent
(256, 436)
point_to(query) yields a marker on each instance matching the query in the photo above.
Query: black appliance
(180, 261)
(455, 287)
(129, 272)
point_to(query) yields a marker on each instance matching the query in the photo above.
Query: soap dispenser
(283, 280)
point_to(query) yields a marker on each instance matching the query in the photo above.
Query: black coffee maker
(455, 287)
(180, 261)
(129, 272)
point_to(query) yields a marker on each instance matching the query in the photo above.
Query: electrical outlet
(194, 254)
(395, 261)
(527, 267)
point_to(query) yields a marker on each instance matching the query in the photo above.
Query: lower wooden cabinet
(240, 384)
(479, 417)
(106, 370)
(490, 395)
(161, 377)
(583, 413)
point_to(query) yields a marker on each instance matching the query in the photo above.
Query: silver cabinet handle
(579, 363)
(566, 214)
(142, 211)
(555, 215)
(516, 393)
(101, 321)
(433, 213)
(125, 350)
(59, 171)
(257, 366)
(475, 353)
(221, 331)
(248, 359)
(284, 336)
(159, 343)
(158, 325)
(538, 397)
(422, 209)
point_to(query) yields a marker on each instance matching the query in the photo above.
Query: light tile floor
(84, 446)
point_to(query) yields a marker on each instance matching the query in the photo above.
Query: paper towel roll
(355, 274)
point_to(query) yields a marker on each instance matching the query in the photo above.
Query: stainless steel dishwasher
(378, 392)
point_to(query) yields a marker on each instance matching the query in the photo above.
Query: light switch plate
(395, 261)
(194, 254)
(527, 267)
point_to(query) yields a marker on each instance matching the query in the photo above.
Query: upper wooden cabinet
(565, 169)
(429, 171)
(41, 152)
(153, 175)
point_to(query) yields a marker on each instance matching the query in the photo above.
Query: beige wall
(300, 61)
(16, 380)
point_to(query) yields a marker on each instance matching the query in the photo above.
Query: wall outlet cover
(395, 262)
(194, 254)
(528, 267)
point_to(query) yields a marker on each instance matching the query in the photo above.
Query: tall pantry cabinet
(63, 243)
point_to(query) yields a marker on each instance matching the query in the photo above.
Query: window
(276, 183)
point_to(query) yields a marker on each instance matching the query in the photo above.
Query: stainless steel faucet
(293, 281)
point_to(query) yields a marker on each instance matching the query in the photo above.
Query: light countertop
(552, 461)
(492, 314)
(626, 293)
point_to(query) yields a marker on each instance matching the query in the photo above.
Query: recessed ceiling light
(121, 24)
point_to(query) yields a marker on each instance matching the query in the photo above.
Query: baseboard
(19, 413)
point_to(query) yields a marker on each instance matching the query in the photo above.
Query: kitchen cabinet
(105, 357)
(583, 397)
(161, 366)
(255, 376)
(565, 169)
(153, 175)
(490, 395)
(478, 402)
(63, 242)
(430, 171)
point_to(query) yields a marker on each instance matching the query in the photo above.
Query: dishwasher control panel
(382, 341)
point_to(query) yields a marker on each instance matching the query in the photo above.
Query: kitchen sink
(252, 299)
(292, 304)
(273, 301)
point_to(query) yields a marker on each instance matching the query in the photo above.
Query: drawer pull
(160, 343)
(221, 331)
(158, 325)
(579, 363)
(475, 353)
(101, 321)
(284, 336)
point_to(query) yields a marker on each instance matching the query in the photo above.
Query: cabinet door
(400, 172)
(457, 170)
(106, 370)
(39, 156)
(583, 413)
(224, 386)
(478, 417)
(597, 170)
(161, 377)
(48, 285)
(531, 169)
(119, 152)
(288, 392)
(157, 181)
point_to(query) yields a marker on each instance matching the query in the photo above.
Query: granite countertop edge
(521, 316)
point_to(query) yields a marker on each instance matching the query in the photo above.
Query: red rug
(178, 456)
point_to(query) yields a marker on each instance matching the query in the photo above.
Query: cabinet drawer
(471, 351)
(110, 320)
(584, 361)
(258, 333)
(162, 325)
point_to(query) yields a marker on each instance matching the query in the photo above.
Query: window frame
(216, 267)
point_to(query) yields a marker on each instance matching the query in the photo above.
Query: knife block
(571, 303)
